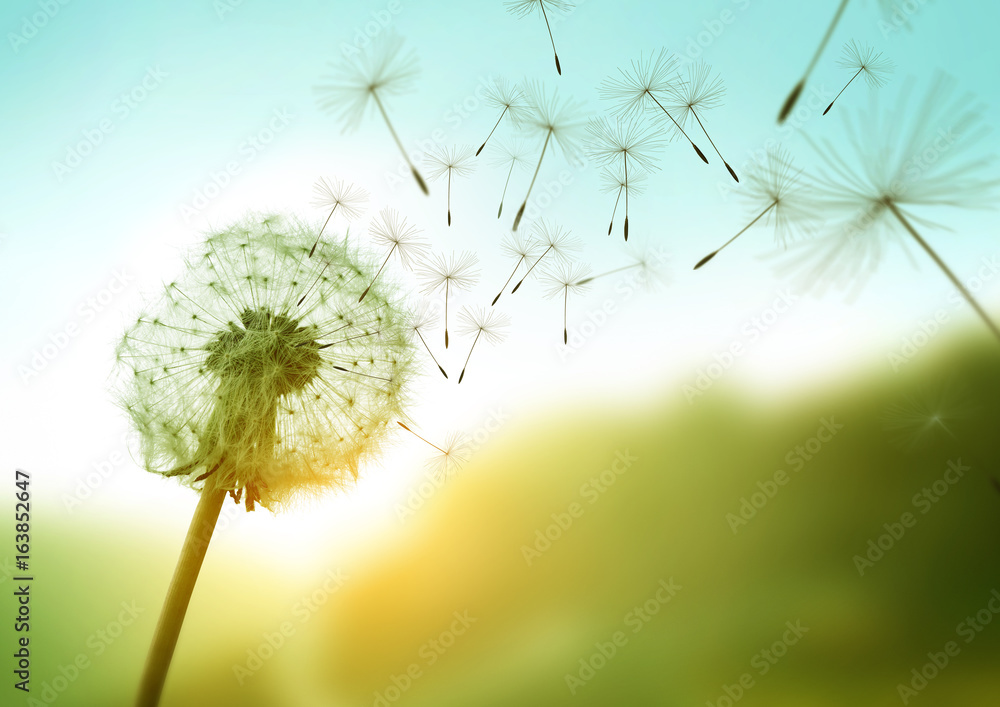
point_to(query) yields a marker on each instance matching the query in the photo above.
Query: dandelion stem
(365, 293)
(793, 97)
(947, 271)
(551, 39)
(420, 438)
(530, 269)
(842, 90)
(471, 349)
(318, 235)
(505, 185)
(431, 353)
(520, 213)
(700, 153)
(399, 143)
(508, 281)
(712, 142)
(502, 114)
(178, 595)
(742, 231)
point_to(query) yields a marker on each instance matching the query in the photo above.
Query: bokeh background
(361, 592)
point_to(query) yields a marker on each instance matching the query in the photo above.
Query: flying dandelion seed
(383, 70)
(778, 190)
(556, 241)
(234, 389)
(454, 161)
(558, 121)
(904, 158)
(509, 100)
(613, 181)
(793, 97)
(448, 275)
(922, 418)
(516, 246)
(486, 323)
(699, 93)
(450, 457)
(391, 231)
(863, 59)
(647, 273)
(338, 194)
(523, 8)
(563, 279)
(615, 144)
(423, 319)
(648, 85)
(513, 154)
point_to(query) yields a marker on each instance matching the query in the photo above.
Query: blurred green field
(390, 634)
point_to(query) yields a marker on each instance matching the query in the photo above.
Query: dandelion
(615, 144)
(520, 248)
(777, 189)
(564, 279)
(449, 458)
(647, 272)
(422, 319)
(793, 97)
(349, 198)
(486, 323)
(382, 71)
(509, 100)
(920, 417)
(235, 389)
(391, 231)
(555, 240)
(513, 154)
(455, 161)
(613, 181)
(449, 274)
(554, 119)
(648, 85)
(523, 8)
(701, 92)
(864, 60)
(904, 159)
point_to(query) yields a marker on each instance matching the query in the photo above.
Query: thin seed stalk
(178, 595)
(842, 90)
(947, 271)
(551, 38)
(471, 349)
(399, 144)
(793, 97)
(492, 131)
(520, 213)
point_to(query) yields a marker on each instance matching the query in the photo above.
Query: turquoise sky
(219, 75)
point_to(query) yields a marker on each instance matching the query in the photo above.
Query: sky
(173, 103)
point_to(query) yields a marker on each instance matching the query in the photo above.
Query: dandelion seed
(449, 274)
(554, 240)
(648, 273)
(554, 119)
(523, 8)
(513, 154)
(569, 277)
(520, 248)
(900, 160)
(701, 92)
(648, 85)
(922, 417)
(507, 98)
(234, 389)
(487, 323)
(793, 97)
(391, 231)
(453, 161)
(349, 198)
(382, 71)
(863, 59)
(777, 189)
(613, 182)
(422, 319)
(615, 144)
(450, 457)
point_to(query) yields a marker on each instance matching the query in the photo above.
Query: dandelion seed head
(506, 96)
(455, 272)
(390, 230)
(349, 199)
(551, 116)
(490, 323)
(555, 240)
(386, 68)
(518, 245)
(634, 91)
(512, 152)
(456, 159)
(613, 179)
(927, 416)
(232, 385)
(699, 91)
(566, 278)
(446, 463)
(613, 141)
(776, 184)
(523, 8)
(875, 67)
